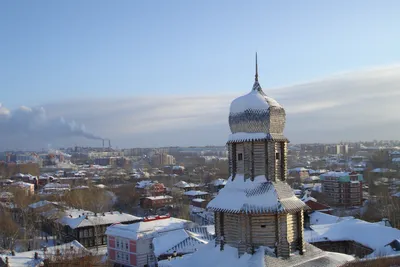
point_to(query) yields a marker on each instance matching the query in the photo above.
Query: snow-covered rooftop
(26, 259)
(159, 197)
(195, 193)
(145, 183)
(180, 241)
(198, 200)
(75, 218)
(372, 235)
(380, 170)
(211, 255)
(258, 196)
(147, 229)
(317, 217)
(51, 186)
(219, 182)
(183, 184)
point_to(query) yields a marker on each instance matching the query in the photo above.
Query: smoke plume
(33, 124)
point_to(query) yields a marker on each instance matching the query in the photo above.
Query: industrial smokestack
(103, 142)
(109, 143)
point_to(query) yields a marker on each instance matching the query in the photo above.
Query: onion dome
(256, 112)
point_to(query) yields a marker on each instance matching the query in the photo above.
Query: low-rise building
(156, 202)
(140, 244)
(192, 194)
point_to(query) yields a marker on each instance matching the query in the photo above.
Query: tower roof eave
(249, 137)
(256, 197)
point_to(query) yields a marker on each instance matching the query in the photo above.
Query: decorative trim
(267, 137)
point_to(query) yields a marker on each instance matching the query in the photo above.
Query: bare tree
(19, 203)
(92, 199)
(9, 230)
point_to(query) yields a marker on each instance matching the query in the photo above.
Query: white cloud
(348, 106)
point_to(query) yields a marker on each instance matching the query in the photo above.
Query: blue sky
(59, 53)
(54, 50)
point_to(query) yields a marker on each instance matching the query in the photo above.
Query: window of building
(117, 243)
(240, 156)
(276, 155)
(263, 226)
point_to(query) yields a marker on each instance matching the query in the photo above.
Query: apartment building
(343, 188)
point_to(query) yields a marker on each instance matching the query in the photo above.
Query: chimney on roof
(104, 214)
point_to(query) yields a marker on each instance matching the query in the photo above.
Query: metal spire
(256, 76)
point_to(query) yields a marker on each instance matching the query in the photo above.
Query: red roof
(316, 205)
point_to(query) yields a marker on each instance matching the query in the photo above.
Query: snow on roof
(168, 240)
(253, 101)
(260, 195)
(219, 182)
(195, 193)
(396, 194)
(374, 236)
(198, 200)
(378, 170)
(159, 197)
(39, 204)
(310, 171)
(298, 169)
(211, 255)
(27, 258)
(181, 241)
(79, 218)
(317, 217)
(55, 186)
(23, 184)
(335, 174)
(178, 167)
(308, 198)
(297, 191)
(144, 183)
(146, 229)
(183, 184)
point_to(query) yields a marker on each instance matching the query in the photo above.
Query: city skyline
(159, 74)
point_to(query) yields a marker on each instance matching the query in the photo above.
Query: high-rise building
(162, 159)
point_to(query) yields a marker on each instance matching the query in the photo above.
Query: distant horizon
(198, 146)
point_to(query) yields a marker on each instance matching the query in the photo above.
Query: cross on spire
(256, 76)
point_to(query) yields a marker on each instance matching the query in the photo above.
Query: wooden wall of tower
(267, 158)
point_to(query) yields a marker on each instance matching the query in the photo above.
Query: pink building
(132, 244)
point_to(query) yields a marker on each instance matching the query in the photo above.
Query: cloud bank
(359, 105)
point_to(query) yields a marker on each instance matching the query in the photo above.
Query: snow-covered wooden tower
(257, 207)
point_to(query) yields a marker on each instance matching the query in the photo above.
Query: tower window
(276, 155)
(263, 226)
(240, 156)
